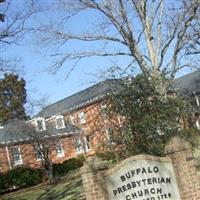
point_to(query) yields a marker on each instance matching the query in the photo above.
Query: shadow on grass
(72, 191)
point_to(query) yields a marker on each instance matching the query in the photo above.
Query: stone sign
(142, 177)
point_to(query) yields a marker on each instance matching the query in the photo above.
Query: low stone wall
(92, 174)
(178, 152)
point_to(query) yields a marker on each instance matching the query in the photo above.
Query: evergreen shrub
(68, 165)
(20, 177)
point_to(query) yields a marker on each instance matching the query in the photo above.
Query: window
(108, 133)
(109, 136)
(38, 152)
(59, 150)
(87, 143)
(197, 124)
(104, 109)
(60, 123)
(16, 155)
(72, 119)
(40, 124)
(82, 117)
(197, 101)
(119, 119)
(78, 145)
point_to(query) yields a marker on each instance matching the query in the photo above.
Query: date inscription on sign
(142, 179)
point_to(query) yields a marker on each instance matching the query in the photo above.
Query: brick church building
(76, 124)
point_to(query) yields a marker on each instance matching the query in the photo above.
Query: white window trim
(82, 117)
(197, 100)
(197, 124)
(81, 146)
(104, 108)
(63, 153)
(20, 157)
(108, 136)
(72, 119)
(63, 122)
(86, 144)
(43, 123)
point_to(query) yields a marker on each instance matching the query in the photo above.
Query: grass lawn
(66, 190)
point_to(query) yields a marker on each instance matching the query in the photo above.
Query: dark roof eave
(29, 140)
(81, 105)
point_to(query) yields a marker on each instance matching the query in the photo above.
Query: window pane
(78, 145)
(38, 152)
(16, 155)
(15, 151)
(72, 119)
(87, 141)
(82, 117)
(104, 109)
(39, 125)
(60, 122)
(59, 150)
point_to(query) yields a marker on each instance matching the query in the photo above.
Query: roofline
(79, 106)
(28, 139)
(89, 102)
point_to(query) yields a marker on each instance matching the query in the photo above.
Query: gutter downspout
(8, 157)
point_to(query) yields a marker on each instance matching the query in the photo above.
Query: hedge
(61, 169)
(20, 177)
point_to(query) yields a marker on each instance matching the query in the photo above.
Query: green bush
(81, 157)
(73, 163)
(68, 165)
(59, 169)
(20, 177)
(3, 182)
(24, 176)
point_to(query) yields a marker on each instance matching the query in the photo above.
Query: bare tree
(34, 105)
(15, 15)
(155, 36)
(44, 144)
(14, 26)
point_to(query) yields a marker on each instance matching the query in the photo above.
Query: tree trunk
(50, 172)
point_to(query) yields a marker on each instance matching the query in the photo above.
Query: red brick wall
(4, 165)
(94, 126)
(180, 152)
(28, 154)
(184, 164)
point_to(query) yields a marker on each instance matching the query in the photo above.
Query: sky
(54, 87)
(40, 82)
(36, 65)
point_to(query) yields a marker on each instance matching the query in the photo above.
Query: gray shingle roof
(185, 85)
(19, 131)
(91, 94)
(188, 84)
(16, 130)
